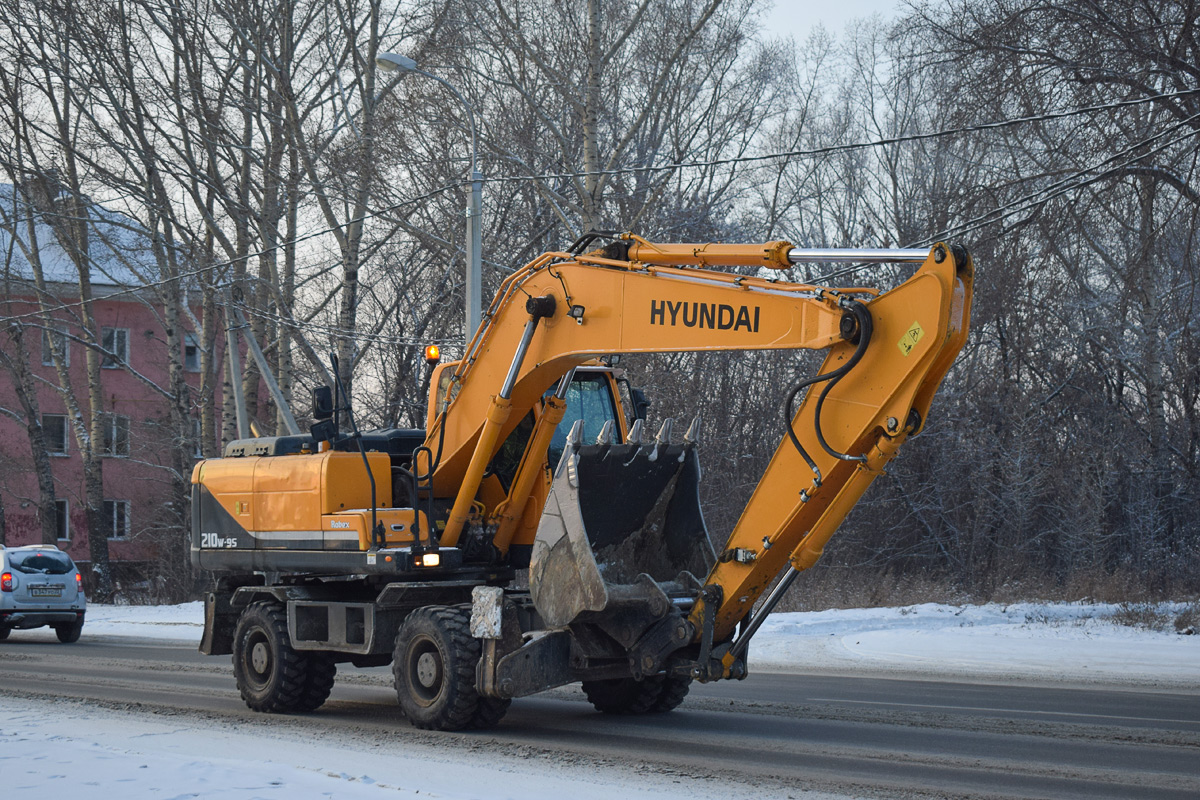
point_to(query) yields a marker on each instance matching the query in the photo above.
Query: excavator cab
(596, 395)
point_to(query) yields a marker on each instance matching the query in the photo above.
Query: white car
(40, 585)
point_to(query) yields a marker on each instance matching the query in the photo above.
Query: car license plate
(45, 591)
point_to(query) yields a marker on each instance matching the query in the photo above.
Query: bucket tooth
(693, 432)
(575, 435)
(663, 439)
(635, 432)
(606, 433)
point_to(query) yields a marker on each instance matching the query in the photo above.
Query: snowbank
(1044, 641)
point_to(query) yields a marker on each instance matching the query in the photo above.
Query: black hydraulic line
(791, 432)
(863, 316)
(865, 328)
(587, 238)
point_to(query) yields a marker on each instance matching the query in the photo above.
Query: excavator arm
(887, 353)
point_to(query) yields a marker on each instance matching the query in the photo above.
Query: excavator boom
(887, 353)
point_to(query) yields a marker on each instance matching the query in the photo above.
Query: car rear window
(40, 562)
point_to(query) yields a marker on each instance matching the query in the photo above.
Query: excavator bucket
(622, 526)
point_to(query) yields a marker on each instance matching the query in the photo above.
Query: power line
(1046, 193)
(342, 333)
(799, 153)
(231, 261)
(841, 148)
(1064, 185)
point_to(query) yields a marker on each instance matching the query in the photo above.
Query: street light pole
(391, 62)
(474, 287)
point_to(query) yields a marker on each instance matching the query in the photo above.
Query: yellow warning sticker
(910, 338)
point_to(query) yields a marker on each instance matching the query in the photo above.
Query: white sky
(796, 17)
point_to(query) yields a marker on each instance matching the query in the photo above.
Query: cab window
(589, 399)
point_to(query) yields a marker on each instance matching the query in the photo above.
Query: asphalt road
(863, 736)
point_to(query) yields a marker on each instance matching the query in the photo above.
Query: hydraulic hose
(863, 317)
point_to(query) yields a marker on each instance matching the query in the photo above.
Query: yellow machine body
(319, 501)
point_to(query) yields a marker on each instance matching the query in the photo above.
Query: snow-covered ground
(91, 753)
(1052, 642)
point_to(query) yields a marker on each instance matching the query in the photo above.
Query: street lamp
(394, 62)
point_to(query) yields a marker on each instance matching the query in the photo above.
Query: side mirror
(322, 403)
(641, 404)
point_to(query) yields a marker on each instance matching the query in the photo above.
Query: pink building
(138, 436)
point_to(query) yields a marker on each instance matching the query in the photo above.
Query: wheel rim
(258, 659)
(426, 670)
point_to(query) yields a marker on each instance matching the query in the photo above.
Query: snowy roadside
(1042, 642)
(1050, 642)
(68, 749)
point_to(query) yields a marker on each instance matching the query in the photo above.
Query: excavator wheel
(653, 695)
(491, 710)
(318, 682)
(271, 675)
(434, 665)
(674, 690)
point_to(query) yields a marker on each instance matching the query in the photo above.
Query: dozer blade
(622, 526)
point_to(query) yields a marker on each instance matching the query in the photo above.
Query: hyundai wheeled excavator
(402, 546)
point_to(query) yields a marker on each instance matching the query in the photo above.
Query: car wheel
(271, 675)
(68, 632)
(4, 629)
(434, 666)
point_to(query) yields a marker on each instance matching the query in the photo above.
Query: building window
(191, 353)
(55, 339)
(116, 435)
(116, 342)
(54, 431)
(62, 520)
(116, 512)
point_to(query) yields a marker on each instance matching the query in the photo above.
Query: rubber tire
(319, 676)
(491, 710)
(271, 675)
(434, 667)
(69, 632)
(674, 689)
(627, 696)
(4, 631)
